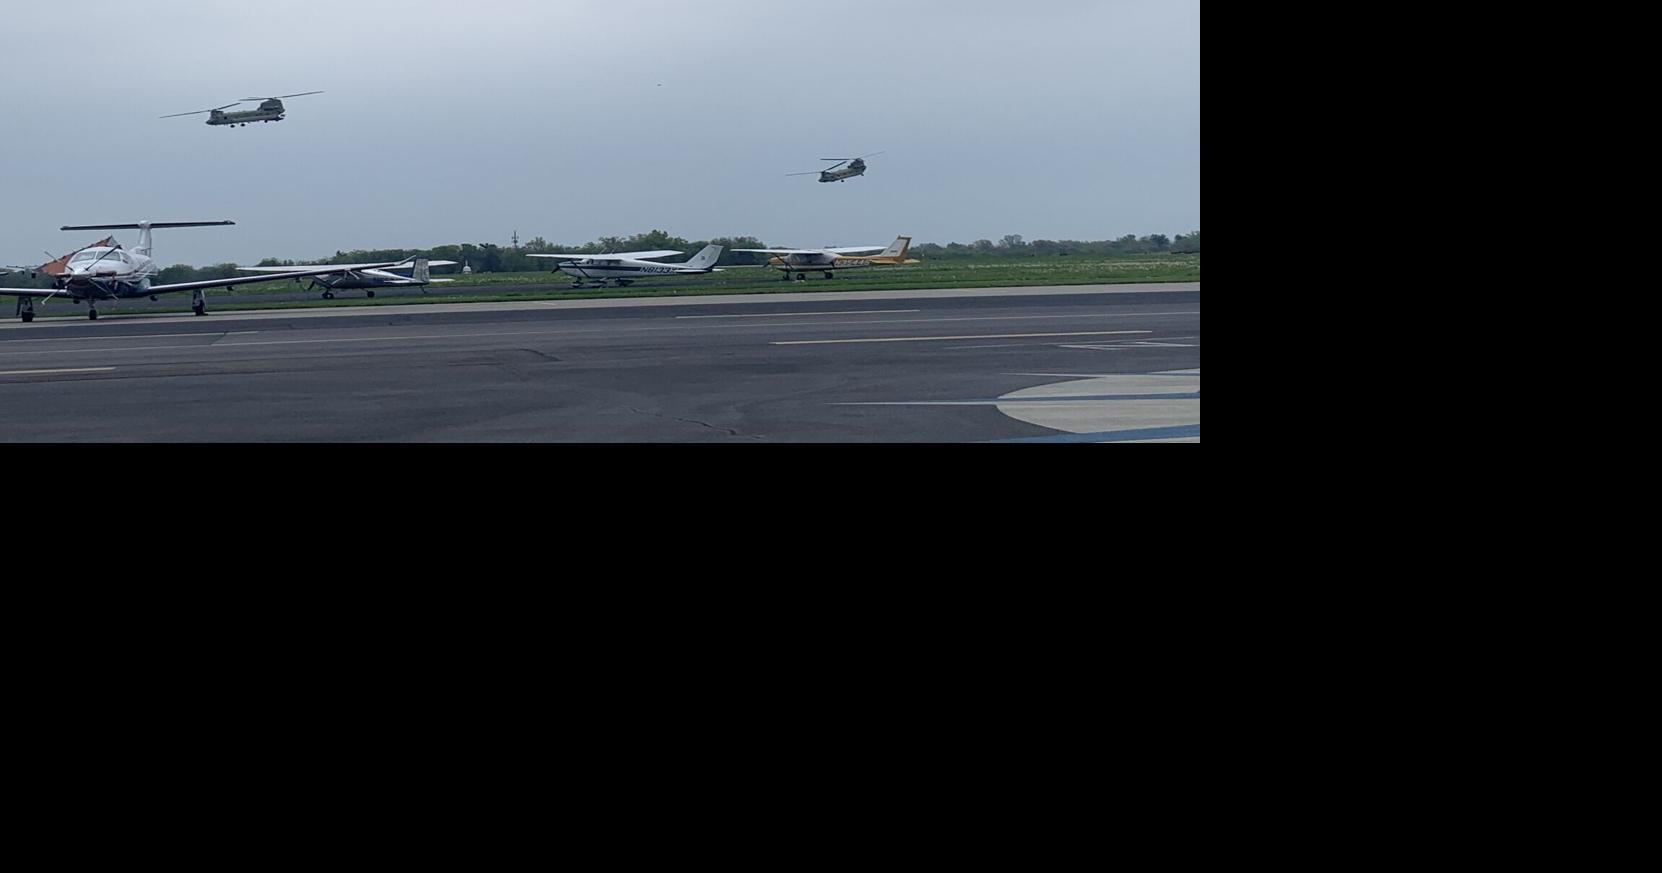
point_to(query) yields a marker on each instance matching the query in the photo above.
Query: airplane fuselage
(106, 274)
(623, 269)
(352, 279)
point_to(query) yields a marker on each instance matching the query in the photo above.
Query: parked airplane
(271, 109)
(110, 273)
(625, 268)
(827, 261)
(366, 277)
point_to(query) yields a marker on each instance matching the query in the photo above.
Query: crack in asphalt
(727, 430)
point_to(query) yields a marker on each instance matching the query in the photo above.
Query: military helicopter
(271, 109)
(856, 167)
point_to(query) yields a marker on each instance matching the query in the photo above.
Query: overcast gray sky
(449, 122)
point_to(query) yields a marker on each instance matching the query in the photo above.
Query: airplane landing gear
(198, 303)
(328, 295)
(26, 309)
(801, 277)
(371, 293)
(624, 283)
(830, 275)
(92, 313)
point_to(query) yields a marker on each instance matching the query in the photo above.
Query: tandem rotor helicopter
(271, 109)
(856, 167)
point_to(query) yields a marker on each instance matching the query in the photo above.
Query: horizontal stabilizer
(150, 224)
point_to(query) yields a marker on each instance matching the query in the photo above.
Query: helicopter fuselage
(270, 110)
(858, 169)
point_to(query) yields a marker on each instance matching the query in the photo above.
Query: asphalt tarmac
(1066, 364)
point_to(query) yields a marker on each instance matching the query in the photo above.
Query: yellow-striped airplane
(828, 261)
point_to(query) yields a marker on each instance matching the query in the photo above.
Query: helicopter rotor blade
(872, 155)
(281, 96)
(201, 111)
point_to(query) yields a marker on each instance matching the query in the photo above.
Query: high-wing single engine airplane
(271, 109)
(828, 261)
(626, 267)
(365, 277)
(111, 273)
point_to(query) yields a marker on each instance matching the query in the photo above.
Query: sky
(570, 120)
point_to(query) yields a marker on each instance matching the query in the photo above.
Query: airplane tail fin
(420, 273)
(705, 259)
(898, 249)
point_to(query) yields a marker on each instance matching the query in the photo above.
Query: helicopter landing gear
(198, 302)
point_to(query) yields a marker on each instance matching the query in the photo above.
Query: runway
(1065, 364)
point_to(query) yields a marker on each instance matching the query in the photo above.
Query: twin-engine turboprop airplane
(626, 267)
(365, 277)
(828, 261)
(111, 273)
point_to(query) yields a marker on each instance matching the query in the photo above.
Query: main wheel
(92, 314)
(28, 317)
(370, 293)
(830, 275)
(801, 277)
(328, 295)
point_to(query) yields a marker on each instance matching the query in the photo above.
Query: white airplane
(111, 273)
(626, 267)
(828, 261)
(367, 277)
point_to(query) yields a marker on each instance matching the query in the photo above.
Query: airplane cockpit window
(104, 257)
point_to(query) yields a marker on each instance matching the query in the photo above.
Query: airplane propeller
(202, 111)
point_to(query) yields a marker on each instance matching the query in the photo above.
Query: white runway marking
(788, 314)
(55, 372)
(925, 339)
(69, 339)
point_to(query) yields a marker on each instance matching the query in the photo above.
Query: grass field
(980, 272)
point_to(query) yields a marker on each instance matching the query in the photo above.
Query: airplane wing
(401, 265)
(616, 256)
(211, 283)
(790, 251)
(850, 250)
(249, 280)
